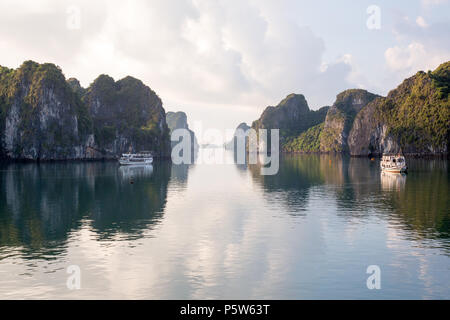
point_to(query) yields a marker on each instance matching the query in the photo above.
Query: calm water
(225, 231)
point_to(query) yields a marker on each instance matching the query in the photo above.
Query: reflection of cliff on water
(302, 171)
(423, 204)
(417, 202)
(41, 204)
(179, 172)
(296, 175)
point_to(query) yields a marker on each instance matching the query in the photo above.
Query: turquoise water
(220, 231)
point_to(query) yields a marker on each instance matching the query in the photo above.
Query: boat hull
(395, 170)
(135, 163)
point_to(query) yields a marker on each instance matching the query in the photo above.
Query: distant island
(232, 145)
(413, 119)
(178, 120)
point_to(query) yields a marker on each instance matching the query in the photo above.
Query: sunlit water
(224, 231)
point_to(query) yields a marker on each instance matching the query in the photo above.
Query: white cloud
(208, 57)
(421, 22)
(428, 3)
(413, 57)
(421, 46)
(198, 52)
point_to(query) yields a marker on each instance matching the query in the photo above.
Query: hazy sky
(223, 62)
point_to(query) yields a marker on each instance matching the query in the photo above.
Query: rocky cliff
(41, 117)
(339, 119)
(413, 119)
(231, 145)
(45, 117)
(178, 120)
(292, 116)
(127, 117)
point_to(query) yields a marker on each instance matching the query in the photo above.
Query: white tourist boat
(393, 163)
(136, 159)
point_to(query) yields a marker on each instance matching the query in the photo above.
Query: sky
(222, 62)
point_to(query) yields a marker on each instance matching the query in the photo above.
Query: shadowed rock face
(413, 119)
(340, 118)
(127, 116)
(292, 116)
(369, 136)
(45, 117)
(231, 145)
(41, 117)
(178, 120)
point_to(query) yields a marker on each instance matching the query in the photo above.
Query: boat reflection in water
(392, 181)
(136, 171)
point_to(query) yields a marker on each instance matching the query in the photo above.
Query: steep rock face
(45, 117)
(127, 117)
(178, 120)
(76, 86)
(369, 135)
(292, 116)
(413, 119)
(339, 119)
(41, 117)
(231, 145)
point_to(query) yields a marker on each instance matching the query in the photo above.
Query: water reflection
(41, 204)
(418, 202)
(130, 172)
(225, 231)
(393, 181)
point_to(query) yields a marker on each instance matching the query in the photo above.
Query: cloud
(200, 52)
(428, 3)
(421, 22)
(208, 57)
(421, 46)
(38, 30)
(412, 58)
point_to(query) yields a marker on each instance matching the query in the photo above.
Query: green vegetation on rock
(292, 116)
(127, 116)
(414, 118)
(306, 142)
(340, 117)
(418, 111)
(42, 110)
(43, 116)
